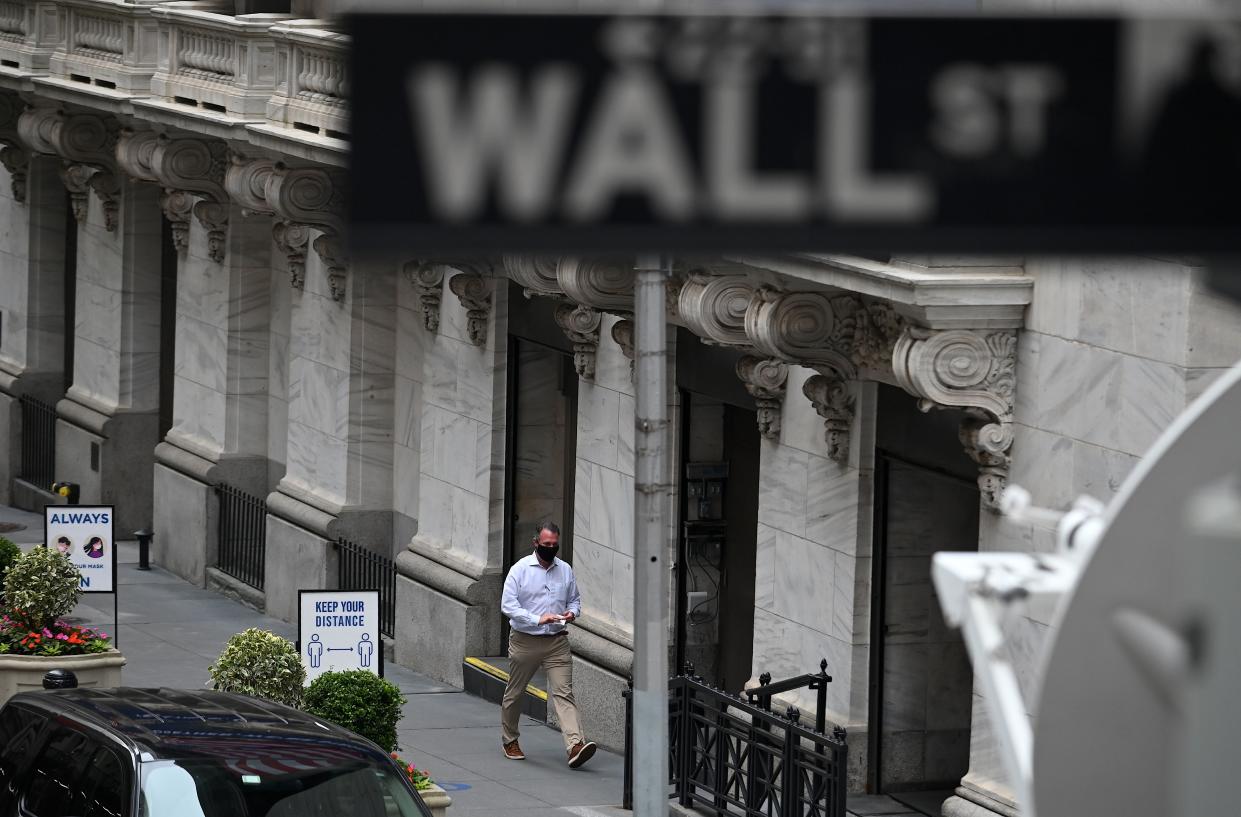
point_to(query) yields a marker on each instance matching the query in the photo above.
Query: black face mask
(546, 552)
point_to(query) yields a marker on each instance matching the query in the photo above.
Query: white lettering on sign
(497, 135)
(973, 101)
(496, 132)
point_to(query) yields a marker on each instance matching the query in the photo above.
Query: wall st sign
(532, 131)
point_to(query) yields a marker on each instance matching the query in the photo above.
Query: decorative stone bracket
(581, 325)
(974, 370)
(473, 291)
(87, 144)
(12, 154)
(765, 379)
(293, 240)
(622, 333)
(427, 280)
(831, 394)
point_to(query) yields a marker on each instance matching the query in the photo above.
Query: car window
(53, 785)
(19, 730)
(105, 783)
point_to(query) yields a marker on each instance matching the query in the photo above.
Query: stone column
(32, 336)
(450, 572)
(220, 392)
(108, 425)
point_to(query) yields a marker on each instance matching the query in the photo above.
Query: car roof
(179, 724)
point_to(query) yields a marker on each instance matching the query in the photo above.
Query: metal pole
(650, 576)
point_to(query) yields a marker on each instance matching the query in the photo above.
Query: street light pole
(650, 585)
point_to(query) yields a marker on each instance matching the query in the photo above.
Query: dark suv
(176, 753)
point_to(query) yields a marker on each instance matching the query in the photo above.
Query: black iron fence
(363, 569)
(38, 442)
(243, 535)
(734, 757)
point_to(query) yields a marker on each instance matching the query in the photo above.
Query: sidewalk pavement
(170, 631)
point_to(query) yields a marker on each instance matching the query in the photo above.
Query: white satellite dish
(1139, 712)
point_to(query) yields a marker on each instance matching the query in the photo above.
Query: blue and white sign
(84, 534)
(339, 630)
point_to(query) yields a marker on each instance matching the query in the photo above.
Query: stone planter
(19, 673)
(437, 800)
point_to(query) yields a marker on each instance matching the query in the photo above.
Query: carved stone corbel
(12, 154)
(293, 240)
(427, 280)
(178, 207)
(714, 307)
(76, 178)
(135, 152)
(108, 188)
(245, 181)
(310, 198)
(535, 274)
(606, 285)
(765, 379)
(581, 325)
(17, 162)
(831, 394)
(971, 369)
(473, 291)
(194, 166)
(622, 333)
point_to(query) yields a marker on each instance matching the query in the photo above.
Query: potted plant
(39, 587)
(260, 663)
(371, 706)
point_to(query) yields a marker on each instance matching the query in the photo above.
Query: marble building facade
(175, 283)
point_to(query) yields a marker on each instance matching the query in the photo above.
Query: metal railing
(363, 569)
(38, 442)
(734, 757)
(243, 535)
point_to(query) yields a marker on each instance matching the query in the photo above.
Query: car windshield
(207, 787)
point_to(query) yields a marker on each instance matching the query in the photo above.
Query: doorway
(541, 449)
(926, 500)
(717, 547)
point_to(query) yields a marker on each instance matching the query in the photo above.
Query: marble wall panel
(96, 372)
(782, 491)
(449, 447)
(406, 467)
(805, 582)
(407, 429)
(317, 462)
(844, 584)
(625, 437)
(592, 567)
(611, 365)
(319, 397)
(201, 352)
(199, 413)
(583, 509)
(1214, 326)
(470, 525)
(816, 646)
(611, 502)
(598, 424)
(832, 504)
(800, 426)
(1198, 380)
(767, 555)
(622, 590)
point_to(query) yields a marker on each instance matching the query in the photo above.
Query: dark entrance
(719, 468)
(541, 431)
(926, 500)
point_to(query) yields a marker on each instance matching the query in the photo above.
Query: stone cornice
(942, 297)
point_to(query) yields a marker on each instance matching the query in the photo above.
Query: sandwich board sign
(84, 534)
(338, 630)
(807, 130)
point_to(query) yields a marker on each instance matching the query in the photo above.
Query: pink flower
(62, 637)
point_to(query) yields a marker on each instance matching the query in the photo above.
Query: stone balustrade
(30, 30)
(216, 62)
(107, 44)
(313, 91)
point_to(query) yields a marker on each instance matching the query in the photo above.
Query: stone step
(487, 677)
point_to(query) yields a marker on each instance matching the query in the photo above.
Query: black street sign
(577, 132)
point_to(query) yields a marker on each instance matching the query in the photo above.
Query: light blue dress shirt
(530, 591)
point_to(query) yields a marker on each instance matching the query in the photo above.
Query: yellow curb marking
(496, 672)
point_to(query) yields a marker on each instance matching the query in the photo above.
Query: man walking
(540, 599)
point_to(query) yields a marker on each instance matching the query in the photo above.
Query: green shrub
(360, 701)
(43, 585)
(260, 663)
(9, 553)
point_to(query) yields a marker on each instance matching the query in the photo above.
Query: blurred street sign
(578, 132)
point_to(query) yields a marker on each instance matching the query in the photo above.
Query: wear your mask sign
(84, 534)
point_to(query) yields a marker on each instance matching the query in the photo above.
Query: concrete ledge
(436, 631)
(597, 643)
(299, 513)
(968, 801)
(226, 585)
(489, 682)
(30, 497)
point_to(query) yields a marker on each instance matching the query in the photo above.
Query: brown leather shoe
(513, 751)
(580, 753)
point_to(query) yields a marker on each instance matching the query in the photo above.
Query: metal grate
(363, 569)
(38, 442)
(732, 757)
(243, 535)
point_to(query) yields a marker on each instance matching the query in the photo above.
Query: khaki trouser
(525, 654)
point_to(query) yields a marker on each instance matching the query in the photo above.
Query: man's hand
(567, 617)
(548, 618)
